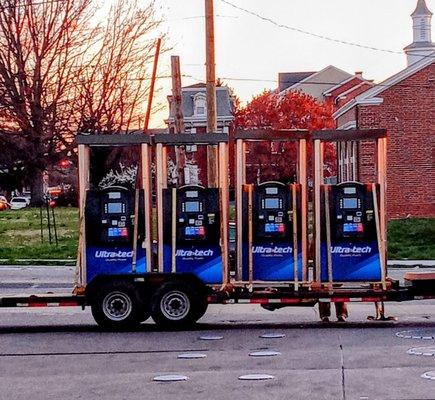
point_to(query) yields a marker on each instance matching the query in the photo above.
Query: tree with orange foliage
(292, 110)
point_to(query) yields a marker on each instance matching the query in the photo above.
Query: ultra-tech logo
(194, 253)
(272, 250)
(351, 250)
(113, 254)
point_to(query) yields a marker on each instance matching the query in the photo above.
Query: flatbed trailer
(158, 285)
(418, 286)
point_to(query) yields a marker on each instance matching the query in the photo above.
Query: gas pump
(193, 219)
(271, 218)
(274, 209)
(354, 249)
(350, 219)
(114, 220)
(195, 211)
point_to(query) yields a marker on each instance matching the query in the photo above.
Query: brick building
(404, 104)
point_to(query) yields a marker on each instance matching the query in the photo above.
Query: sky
(250, 48)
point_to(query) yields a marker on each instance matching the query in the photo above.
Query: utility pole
(211, 92)
(153, 82)
(178, 115)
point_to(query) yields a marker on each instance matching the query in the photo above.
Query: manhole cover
(273, 335)
(256, 377)
(429, 375)
(170, 378)
(211, 337)
(189, 356)
(264, 353)
(422, 351)
(422, 335)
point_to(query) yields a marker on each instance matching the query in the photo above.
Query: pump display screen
(117, 232)
(271, 204)
(272, 190)
(349, 190)
(194, 231)
(192, 194)
(274, 228)
(114, 208)
(350, 203)
(114, 195)
(191, 206)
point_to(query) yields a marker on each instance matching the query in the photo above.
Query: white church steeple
(422, 45)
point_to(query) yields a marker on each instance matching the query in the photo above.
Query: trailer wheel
(202, 308)
(117, 306)
(175, 305)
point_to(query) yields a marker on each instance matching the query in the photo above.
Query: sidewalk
(62, 277)
(411, 263)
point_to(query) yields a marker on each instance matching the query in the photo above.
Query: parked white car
(18, 202)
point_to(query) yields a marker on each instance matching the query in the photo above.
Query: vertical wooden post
(295, 236)
(83, 158)
(240, 181)
(304, 206)
(135, 230)
(382, 163)
(250, 235)
(318, 166)
(153, 82)
(161, 178)
(328, 236)
(224, 196)
(174, 231)
(178, 115)
(146, 185)
(211, 92)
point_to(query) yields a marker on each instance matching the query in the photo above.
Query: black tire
(117, 306)
(175, 305)
(202, 308)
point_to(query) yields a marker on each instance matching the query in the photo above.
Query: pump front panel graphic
(270, 209)
(109, 221)
(191, 216)
(354, 246)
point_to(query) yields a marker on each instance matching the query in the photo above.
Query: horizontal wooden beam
(108, 139)
(349, 135)
(276, 135)
(175, 139)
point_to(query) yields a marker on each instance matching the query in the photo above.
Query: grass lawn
(412, 239)
(20, 236)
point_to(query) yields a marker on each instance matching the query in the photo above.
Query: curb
(41, 285)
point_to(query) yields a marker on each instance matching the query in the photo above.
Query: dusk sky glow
(248, 47)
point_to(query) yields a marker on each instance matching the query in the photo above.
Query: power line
(316, 35)
(310, 83)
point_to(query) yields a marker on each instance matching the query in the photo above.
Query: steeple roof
(421, 9)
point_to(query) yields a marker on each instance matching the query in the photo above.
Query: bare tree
(116, 77)
(61, 71)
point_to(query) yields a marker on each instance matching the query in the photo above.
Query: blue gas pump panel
(197, 232)
(109, 215)
(354, 244)
(273, 249)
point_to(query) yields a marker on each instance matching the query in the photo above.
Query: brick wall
(408, 113)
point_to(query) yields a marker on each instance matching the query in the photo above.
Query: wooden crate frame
(242, 139)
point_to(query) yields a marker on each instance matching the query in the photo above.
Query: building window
(199, 104)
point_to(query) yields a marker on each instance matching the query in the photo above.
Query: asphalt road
(60, 353)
